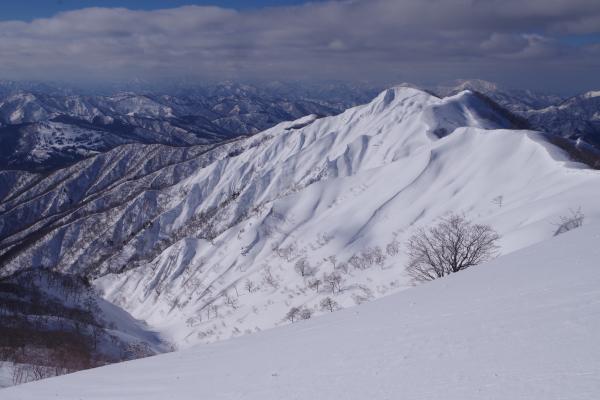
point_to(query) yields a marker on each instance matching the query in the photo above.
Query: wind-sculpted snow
(204, 243)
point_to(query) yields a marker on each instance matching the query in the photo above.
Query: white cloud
(336, 39)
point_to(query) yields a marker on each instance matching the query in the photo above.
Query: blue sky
(31, 9)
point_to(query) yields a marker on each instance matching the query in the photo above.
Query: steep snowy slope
(523, 326)
(203, 243)
(343, 195)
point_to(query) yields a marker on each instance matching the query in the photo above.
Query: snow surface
(524, 326)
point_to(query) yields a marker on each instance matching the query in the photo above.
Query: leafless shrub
(450, 246)
(374, 255)
(392, 248)
(306, 313)
(232, 302)
(250, 286)
(569, 222)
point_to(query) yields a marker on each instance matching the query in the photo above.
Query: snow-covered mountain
(576, 118)
(205, 243)
(515, 100)
(520, 327)
(44, 128)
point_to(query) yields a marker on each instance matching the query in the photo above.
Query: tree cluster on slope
(51, 324)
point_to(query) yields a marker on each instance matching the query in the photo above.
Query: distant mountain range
(43, 127)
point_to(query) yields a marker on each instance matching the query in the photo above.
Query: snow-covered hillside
(205, 243)
(523, 326)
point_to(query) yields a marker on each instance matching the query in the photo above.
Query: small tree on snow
(448, 247)
(293, 314)
(249, 286)
(303, 267)
(334, 280)
(305, 313)
(392, 248)
(314, 284)
(328, 304)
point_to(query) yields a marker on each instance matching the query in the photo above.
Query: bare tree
(378, 256)
(334, 280)
(314, 284)
(303, 267)
(328, 304)
(569, 222)
(450, 246)
(293, 314)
